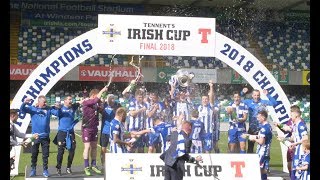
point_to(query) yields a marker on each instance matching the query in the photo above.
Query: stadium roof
(280, 5)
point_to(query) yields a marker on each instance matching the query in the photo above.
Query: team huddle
(142, 121)
(147, 122)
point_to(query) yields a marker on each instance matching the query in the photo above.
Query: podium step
(278, 175)
(77, 174)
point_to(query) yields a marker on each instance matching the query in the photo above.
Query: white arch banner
(173, 34)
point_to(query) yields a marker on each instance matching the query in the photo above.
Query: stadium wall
(295, 78)
(223, 76)
(72, 75)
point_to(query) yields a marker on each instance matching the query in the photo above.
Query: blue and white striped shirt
(304, 174)
(240, 110)
(149, 120)
(182, 108)
(181, 150)
(299, 130)
(137, 123)
(206, 115)
(116, 128)
(197, 130)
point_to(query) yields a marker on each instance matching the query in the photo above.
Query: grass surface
(25, 158)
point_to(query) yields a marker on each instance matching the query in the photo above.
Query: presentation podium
(78, 174)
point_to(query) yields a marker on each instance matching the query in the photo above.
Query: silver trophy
(182, 78)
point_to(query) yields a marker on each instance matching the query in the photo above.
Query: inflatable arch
(68, 56)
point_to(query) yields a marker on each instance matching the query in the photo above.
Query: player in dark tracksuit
(40, 119)
(67, 122)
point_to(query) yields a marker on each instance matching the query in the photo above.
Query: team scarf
(180, 151)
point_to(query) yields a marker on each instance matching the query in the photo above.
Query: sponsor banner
(284, 77)
(297, 16)
(156, 35)
(103, 73)
(305, 77)
(281, 76)
(203, 75)
(21, 72)
(221, 166)
(164, 74)
(275, 74)
(62, 23)
(236, 78)
(77, 7)
(54, 15)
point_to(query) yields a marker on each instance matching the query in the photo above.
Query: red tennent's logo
(236, 75)
(204, 33)
(238, 165)
(283, 75)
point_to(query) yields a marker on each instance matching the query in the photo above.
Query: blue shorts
(104, 140)
(153, 139)
(234, 136)
(264, 162)
(240, 139)
(207, 142)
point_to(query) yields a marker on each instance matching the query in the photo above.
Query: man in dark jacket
(178, 153)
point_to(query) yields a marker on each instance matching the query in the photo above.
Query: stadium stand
(14, 32)
(286, 44)
(45, 40)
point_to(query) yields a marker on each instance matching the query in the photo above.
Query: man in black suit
(178, 153)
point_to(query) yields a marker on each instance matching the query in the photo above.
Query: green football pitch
(25, 158)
